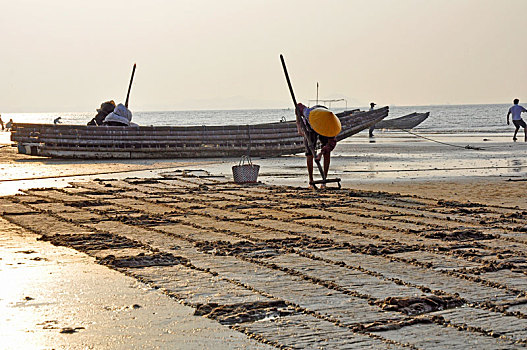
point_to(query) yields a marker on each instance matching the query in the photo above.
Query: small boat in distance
(138, 142)
(405, 122)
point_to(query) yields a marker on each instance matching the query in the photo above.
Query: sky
(70, 55)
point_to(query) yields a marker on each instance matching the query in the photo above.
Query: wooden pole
(129, 87)
(317, 94)
(306, 133)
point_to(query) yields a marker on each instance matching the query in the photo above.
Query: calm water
(443, 119)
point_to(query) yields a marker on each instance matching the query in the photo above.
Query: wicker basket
(245, 171)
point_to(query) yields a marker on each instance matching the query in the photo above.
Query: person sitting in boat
(121, 116)
(320, 123)
(105, 109)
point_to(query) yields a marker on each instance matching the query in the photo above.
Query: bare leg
(525, 130)
(327, 160)
(515, 132)
(309, 161)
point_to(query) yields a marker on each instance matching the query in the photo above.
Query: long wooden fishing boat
(405, 122)
(103, 142)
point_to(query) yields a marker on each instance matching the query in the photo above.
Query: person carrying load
(320, 124)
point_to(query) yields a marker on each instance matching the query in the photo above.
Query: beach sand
(423, 247)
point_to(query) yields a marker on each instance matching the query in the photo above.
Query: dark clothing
(327, 143)
(114, 124)
(106, 108)
(370, 130)
(518, 123)
(313, 136)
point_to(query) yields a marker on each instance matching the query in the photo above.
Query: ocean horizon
(473, 118)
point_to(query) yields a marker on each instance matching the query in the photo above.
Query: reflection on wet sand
(516, 165)
(56, 298)
(287, 266)
(433, 256)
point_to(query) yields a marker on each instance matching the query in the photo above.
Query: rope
(444, 143)
(249, 136)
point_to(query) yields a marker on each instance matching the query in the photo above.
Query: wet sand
(57, 298)
(410, 260)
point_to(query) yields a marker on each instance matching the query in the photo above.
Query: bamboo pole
(130, 86)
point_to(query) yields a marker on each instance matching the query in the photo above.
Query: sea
(444, 119)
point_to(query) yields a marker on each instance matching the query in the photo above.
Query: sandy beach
(423, 247)
(419, 241)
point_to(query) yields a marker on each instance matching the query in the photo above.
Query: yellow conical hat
(324, 122)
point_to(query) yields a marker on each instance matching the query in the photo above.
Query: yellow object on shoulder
(324, 122)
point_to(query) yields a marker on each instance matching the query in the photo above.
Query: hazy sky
(70, 55)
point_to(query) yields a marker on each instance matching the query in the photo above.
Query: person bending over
(320, 124)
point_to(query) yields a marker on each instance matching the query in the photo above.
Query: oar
(129, 87)
(306, 132)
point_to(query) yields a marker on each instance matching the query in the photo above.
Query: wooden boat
(103, 142)
(405, 122)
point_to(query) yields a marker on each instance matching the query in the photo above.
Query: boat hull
(405, 122)
(105, 142)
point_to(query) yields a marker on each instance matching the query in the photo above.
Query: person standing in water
(516, 111)
(9, 125)
(372, 107)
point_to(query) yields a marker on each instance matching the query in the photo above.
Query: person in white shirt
(517, 120)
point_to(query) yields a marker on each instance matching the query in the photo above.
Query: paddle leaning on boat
(111, 115)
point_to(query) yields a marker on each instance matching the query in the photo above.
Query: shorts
(518, 123)
(314, 136)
